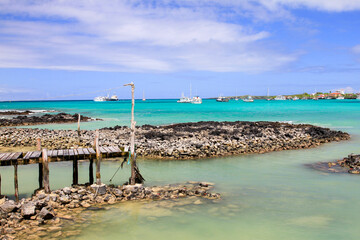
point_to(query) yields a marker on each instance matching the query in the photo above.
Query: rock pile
(43, 119)
(352, 162)
(44, 213)
(186, 140)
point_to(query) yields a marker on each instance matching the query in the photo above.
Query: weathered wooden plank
(27, 155)
(91, 151)
(86, 151)
(108, 149)
(10, 156)
(5, 156)
(71, 152)
(1, 154)
(115, 149)
(54, 153)
(49, 153)
(80, 151)
(102, 150)
(60, 153)
(66, 152)
(112, 149)
(16, 156)
(76, 153)
(36, 154)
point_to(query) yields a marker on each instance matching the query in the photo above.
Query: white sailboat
(196, 100)
(340, 98)
(144, 99)
(358, 97)
(268, 97)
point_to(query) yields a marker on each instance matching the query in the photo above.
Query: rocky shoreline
(44, 214)
(43, 119)
(185, 140)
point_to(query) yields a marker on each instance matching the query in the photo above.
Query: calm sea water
(266, 196)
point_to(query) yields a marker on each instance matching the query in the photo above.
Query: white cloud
(356, 49)
(141, 36)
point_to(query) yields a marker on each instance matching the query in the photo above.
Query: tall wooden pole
(132, 138)
(78, 129)
(16, 182)
(46, 171)
(38, 148)
(98, 158)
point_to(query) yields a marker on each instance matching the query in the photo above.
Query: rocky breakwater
(45, 214)
(350, 163)
(186, 140)
(43, 119)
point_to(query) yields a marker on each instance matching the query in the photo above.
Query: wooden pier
(43, 157)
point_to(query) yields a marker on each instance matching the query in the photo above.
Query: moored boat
(248, 99)
(280, 98)
(222, 99)
(196, 100)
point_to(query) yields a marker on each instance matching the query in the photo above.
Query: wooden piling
(0, 185)
(16, 183)
(132, 137)
(91, 171)
(40, 179)
(75, 172)
(98, 158)
(45, 171)
(78, 129)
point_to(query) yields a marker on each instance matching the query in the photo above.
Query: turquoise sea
(270, 196)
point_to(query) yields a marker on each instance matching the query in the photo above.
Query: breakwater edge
(185, 140)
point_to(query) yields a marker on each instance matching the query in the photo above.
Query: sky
(66, 49)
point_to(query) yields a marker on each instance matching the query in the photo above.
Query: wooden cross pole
(98, 158)
(132, 137)
(78, 129)
(38, 148)
(45, 171)
(16, 183)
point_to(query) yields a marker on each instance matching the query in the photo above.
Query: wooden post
(98, 158)
(16, 182)
(91, 171)
(75, 172)
(45, 171)
(38, 147)
(132, 137)
(78, 130)
(0, 185)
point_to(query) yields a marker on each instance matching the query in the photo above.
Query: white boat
(358, 97)
(295, 98)
(248, 99)
(236, 99)
(184, 99)
(100, 99)
(222, 99)
(268, 97)
(340, 98)
(144, 99)
(280, 98)
(112, 98)
(196, 100)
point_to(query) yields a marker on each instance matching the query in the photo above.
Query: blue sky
(78, 49)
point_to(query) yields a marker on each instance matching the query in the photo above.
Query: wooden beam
(75, 172)
(46, 171)
(91, 171)
(40, 179)
(16, 183)
(98, 158)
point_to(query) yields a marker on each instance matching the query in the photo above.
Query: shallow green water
(267, 196)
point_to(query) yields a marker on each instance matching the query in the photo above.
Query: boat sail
(144, 99)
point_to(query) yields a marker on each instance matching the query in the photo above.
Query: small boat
(248, 99)
(340, 98)
(196, 100)
(280, 98)
(295, 98)
(358, 97)
(236, 99)
(112, 98)
(222, 99)
(100, 99)
(184, 99)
